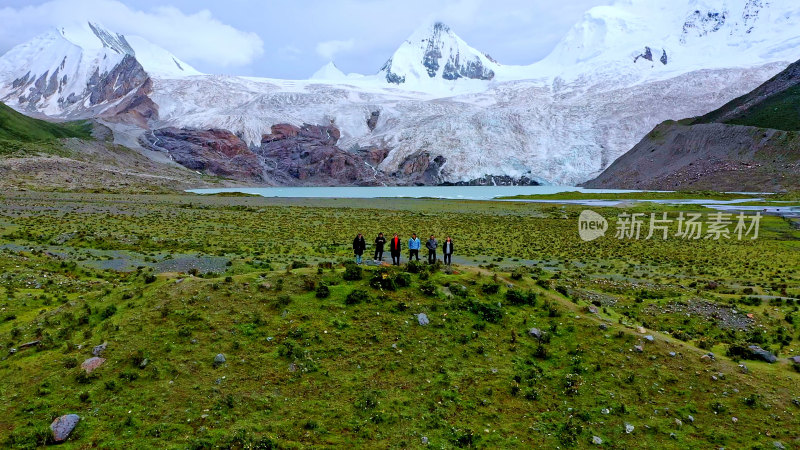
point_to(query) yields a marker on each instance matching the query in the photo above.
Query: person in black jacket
(447, 250)
(380, 241)
(359, 245)
(394, 248)
(431, 245)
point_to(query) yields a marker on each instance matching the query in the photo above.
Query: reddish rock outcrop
(138, 108)
(215, 152)
(309, 155)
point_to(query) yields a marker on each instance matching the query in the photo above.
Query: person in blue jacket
(413, 247)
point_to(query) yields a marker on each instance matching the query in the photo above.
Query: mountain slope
(775, 104)
(18, 127)
(40, 155)
(750, 144)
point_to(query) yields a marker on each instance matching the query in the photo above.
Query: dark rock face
(648, 55)
(664, 59)
(495, 180)
(216, 152)
(309, 155)
(62, 427)
(420, 169)
(761, 354)
(473, 69)
(700, 23)
(392, 77)
(122, 79)
(137, 109)
(372, 122)
(432, 52)
(374, 155)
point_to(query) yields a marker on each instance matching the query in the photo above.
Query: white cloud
(196, 38)
(329, 49)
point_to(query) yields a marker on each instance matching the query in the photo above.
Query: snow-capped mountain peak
(82, 69)
(94, 36)
(436, 52)
(329, 72)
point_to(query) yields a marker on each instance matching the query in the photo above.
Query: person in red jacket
(394, 248)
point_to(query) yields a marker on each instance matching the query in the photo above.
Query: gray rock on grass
(422, 318)
(99, 349)
(62, 427)
(759, 353)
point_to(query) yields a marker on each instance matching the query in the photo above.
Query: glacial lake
(443, 192)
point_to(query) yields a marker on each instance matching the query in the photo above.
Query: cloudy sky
(293, 38)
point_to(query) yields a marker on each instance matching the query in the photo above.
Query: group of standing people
(395, 248)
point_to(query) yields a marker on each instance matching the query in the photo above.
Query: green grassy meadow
(321, 353)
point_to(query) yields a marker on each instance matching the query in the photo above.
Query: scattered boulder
(650, 338)
(708, 357)
(759, 353)
(638, 348)
(678, 422)
(30, 344)
(144, 363)
(641, 330)
(779, 445)
(690, 418)
(537, 333)
(794, 360)
(92, 363)
(629, 428)
(673, 354)
(603, 326)
(62, 427)
(743, 368)
(99, 349)
(596, 440)
(424, 440)
(219, 359)
(422, 318)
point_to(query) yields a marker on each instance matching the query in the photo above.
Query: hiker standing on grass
(394, 248)
(447, 250)
(431, 245)
(359, 245)
(413, 247)
(379, 243)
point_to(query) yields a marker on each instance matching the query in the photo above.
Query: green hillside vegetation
(20, 134)
(775, 104)
(780, 112)
(321, 353)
